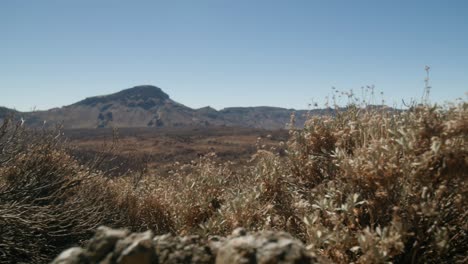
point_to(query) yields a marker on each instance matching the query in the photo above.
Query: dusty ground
(160, 148)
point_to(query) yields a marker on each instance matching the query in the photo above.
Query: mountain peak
(136, 93)
(143, 92)
(149, 106)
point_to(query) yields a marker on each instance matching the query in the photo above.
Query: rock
(188, 249)
(136, 248)
(110, 246)
(238, 232)
(104, 241)
(74, 255)
(262, 248)
(215, 242)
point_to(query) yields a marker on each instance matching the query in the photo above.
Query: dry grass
(47, 200)
(160, 147)
(364, 186)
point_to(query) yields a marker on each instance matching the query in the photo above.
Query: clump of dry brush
(47, 200)
(385, 185)
(366, 185)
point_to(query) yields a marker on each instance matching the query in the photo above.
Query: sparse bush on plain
(366, 185)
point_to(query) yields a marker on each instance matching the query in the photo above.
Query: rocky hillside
(5, 112)
(120, 246)
(149, 106)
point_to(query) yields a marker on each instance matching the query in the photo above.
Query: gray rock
(215, 242)
(263, 248)
(238, 232)
(136, 248)
(188, 249)
(104, 242)
(110, 246)
(74, 255)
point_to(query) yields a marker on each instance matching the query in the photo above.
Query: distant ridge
(4, 112)
(150, 106)
(141, 92)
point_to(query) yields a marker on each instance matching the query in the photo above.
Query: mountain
(4, 112)
(149, 106)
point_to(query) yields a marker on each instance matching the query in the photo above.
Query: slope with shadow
(6, 111)
(149, 106)
(140, 106)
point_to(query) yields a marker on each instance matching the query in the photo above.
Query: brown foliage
(365, 185)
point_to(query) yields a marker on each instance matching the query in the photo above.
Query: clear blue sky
(230, 53)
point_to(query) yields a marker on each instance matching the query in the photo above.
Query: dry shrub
(46, 198)
(406, 172)
(194, 192)
(310, 151)
(261, 200)
(138, 209)
(48, 201)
